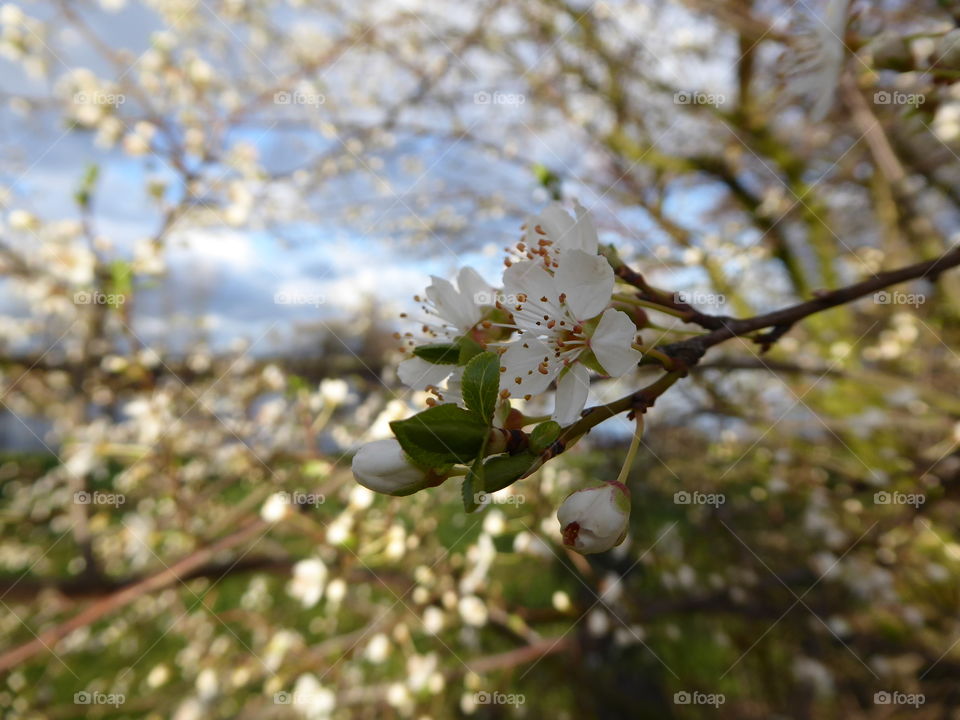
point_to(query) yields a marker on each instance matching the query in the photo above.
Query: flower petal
(587, 280)
(585, 234)
(557, 223)
(459, 310)
(572, 393)
(612, 343)
(531, 279)
(522, 360)
(470, 284)
(417, 373)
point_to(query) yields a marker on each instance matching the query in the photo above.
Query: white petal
(417, 373)
(473, 286)
(572, 393)
(558, 225)
(587, 280)
(612, 343)
(586, 232)
(460, 310)
(453, 392)
(531, 279)
(522, 360)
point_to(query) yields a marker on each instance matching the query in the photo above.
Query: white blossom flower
(334, 391)
(361, 498)
(377, 649)
(336, 591)
(556, 314)
(946, 122)
(309, 579)
(472, 610)
(421, 672)
(276, 507)
(383, 467)
(312, 700)
(22, 220)
(553, 231)
(452, 312)
(819, 62)
(433, 620)
(207, 684)
(595, 519)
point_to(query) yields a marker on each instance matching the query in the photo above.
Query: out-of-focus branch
(101, 608)
(687, 353)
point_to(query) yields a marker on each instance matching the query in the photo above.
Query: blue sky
(230, 276)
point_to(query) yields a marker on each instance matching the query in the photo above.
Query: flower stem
(664, 359)
(632, 452)
(628, 299)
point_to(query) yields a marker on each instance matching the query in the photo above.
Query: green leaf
(544, 435)
(504, 470)
(84, 192)
(469, 348)
(438, 353)
(441, 435)
(472, 484)
(548, 179)
(481, 384)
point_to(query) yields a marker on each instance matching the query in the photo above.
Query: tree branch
(687, 353)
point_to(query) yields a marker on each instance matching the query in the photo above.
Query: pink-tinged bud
(383, 467)
(595, 519)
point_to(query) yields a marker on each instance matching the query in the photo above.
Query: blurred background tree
(211, 214)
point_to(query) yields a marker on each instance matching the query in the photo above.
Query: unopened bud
(595, 519)
(383, 467)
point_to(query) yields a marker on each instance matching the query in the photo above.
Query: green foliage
(84, 192)
(481, 383)
(504, 470)
(442, 435)
(438, 353)
(544, 435)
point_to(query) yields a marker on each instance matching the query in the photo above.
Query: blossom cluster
(554, 322)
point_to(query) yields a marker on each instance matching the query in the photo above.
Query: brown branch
(692, 349)
(101, 608)
(521, 655)
(687, 353)
(87, 586)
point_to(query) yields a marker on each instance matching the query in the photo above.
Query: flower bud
(595, 519)
(383, 467)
